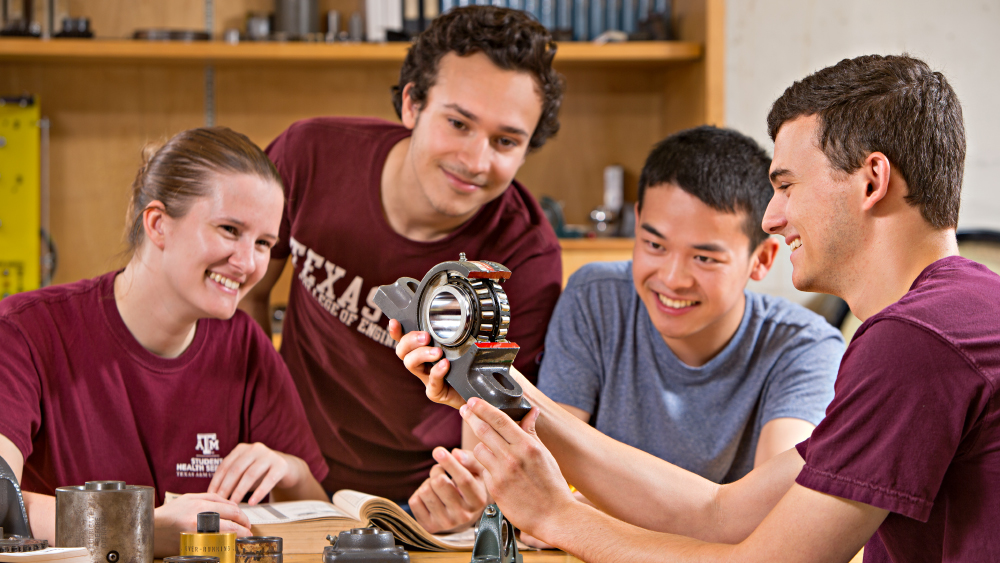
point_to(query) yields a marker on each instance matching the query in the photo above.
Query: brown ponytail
(178, 172)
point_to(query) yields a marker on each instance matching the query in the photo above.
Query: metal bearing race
(456, 308)
(447, 309)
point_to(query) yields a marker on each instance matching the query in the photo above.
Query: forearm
(590, 535)
(41, 511)
(307, 487)
(651, 493)
(627, 483)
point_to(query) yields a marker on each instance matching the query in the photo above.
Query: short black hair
(723, 168)
(896, 105)
(510, 38)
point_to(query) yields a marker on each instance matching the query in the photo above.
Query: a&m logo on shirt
(205, 463)
(207, 443)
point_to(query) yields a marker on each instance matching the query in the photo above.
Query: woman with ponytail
(149, 374)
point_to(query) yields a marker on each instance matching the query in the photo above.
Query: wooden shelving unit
(650, 53)
(107, 98)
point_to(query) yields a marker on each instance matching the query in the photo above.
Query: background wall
(772, 43)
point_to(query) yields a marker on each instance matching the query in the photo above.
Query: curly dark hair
(510, 38)
(896, 105)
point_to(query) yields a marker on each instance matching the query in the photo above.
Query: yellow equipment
(20, 194)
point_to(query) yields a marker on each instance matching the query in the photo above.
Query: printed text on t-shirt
(204, 464)
(318, 275)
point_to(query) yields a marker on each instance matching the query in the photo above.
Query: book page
(388, 516)
(352, 502)
(292, 511)
(466, 537)
(50, 554)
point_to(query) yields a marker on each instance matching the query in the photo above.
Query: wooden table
(547, 556)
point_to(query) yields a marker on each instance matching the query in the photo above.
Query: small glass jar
(259, 549)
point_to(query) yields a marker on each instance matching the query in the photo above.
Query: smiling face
(471, 135)
(811, 208)
(221, 247)
(690, 266)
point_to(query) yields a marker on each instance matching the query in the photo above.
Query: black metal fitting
(495, 542)
(463, 307)
(369, 545)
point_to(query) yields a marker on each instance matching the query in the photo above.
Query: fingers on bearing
(494, 417)
(395, 331)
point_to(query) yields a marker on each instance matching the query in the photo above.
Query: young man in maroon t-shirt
(369, 201)
(867, 174)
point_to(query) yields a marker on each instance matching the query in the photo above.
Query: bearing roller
(462, 306)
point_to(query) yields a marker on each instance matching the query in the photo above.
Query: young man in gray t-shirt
(670, 353)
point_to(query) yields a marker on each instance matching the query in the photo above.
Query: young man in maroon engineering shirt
(369, 201)
(867, 174)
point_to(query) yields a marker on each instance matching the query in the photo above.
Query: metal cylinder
(114, 521)
(296, 18)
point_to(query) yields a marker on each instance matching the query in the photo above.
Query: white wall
(772, 43)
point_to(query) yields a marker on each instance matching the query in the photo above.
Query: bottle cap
(208, 522)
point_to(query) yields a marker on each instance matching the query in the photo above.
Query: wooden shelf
(600, 243)
(218, 52)
(576, 252)
(106, 98)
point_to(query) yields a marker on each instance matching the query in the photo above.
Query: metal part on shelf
(182, 35)
(77, 28)
(356, 27)
(462, 306)
(209, 96)
(333, 25)
(296, 19)
(369, 545)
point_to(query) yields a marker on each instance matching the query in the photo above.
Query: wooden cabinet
(106, 98)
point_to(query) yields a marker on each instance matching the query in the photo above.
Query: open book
(304, 524)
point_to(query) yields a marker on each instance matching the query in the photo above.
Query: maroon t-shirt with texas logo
(372, 418)
(84, 401)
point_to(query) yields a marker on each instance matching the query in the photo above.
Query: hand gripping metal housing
(462, 306)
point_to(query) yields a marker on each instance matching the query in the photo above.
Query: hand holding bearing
(464, 309)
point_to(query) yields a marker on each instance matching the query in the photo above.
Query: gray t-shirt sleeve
(802, 383)
(571, 370)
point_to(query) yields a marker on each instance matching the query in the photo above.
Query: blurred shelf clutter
(372, 20)
(107, 96)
